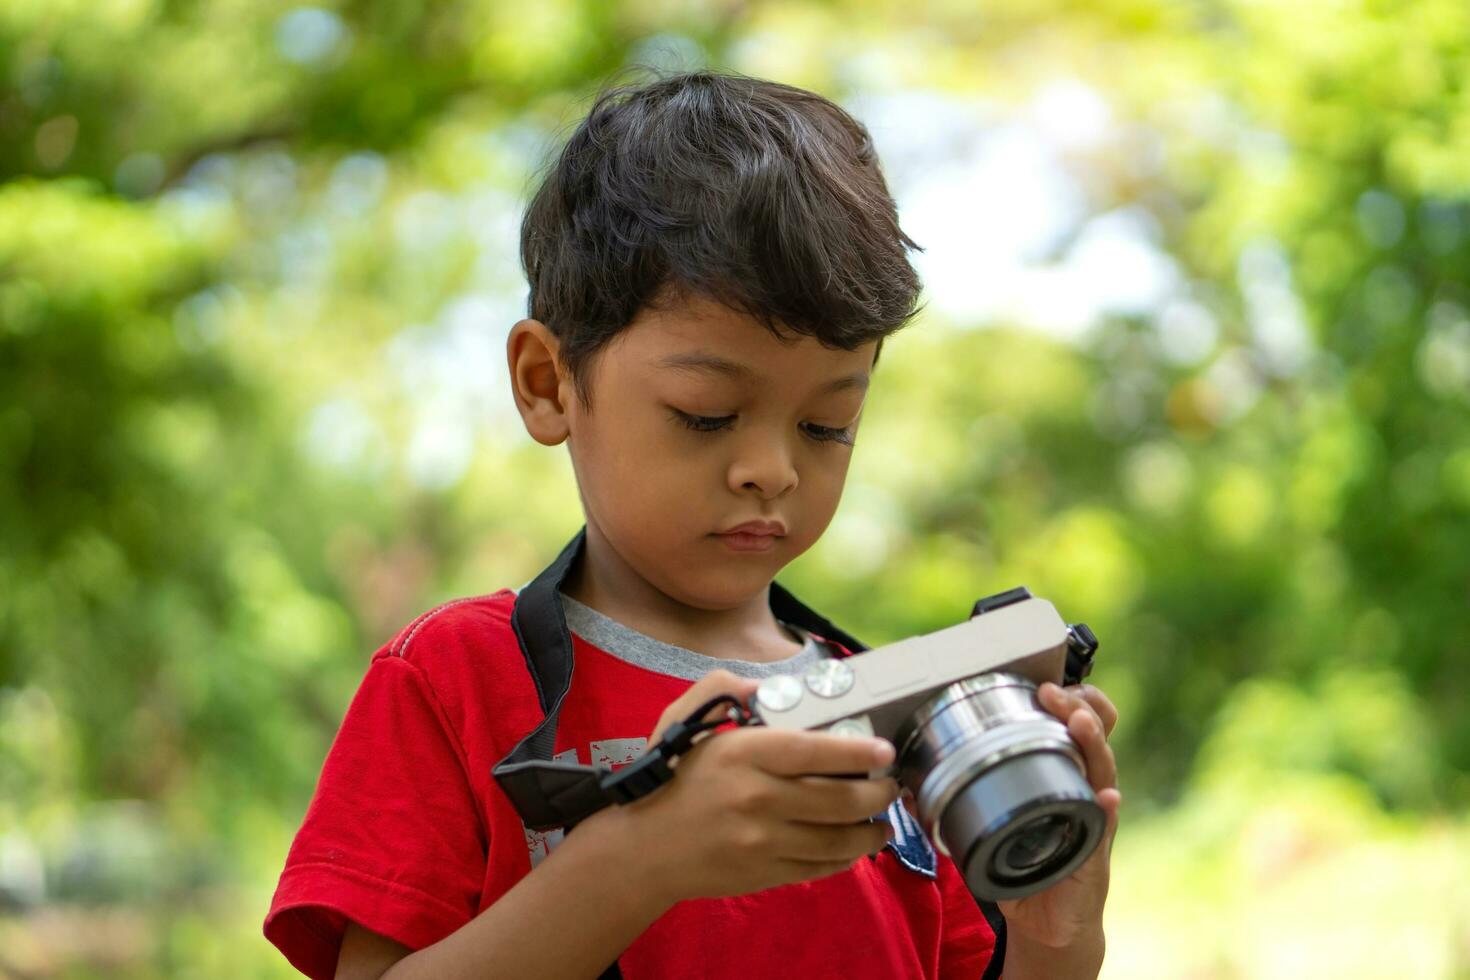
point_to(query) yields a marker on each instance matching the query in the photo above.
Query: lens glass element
(1035, 843)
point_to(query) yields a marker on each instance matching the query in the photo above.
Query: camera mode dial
(830, 678)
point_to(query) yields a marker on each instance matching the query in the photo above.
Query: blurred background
(1195, 364)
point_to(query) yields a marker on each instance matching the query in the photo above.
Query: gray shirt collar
(627, 644)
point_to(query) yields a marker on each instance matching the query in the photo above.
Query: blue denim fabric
(910, 844)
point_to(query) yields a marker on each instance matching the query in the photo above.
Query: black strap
(544, 791)
(550, 794)
(997, 963)
(540, 789)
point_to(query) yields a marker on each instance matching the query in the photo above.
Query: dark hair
(766, 198)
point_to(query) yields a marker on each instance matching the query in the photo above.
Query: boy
(714, 262)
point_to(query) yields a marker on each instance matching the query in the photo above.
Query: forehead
(700, 337)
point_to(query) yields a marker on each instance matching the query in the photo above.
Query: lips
(758, 528)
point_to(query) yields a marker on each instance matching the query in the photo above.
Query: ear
(536, 381)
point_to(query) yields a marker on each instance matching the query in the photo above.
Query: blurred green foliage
(257, 262)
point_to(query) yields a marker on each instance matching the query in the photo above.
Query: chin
(722, 589)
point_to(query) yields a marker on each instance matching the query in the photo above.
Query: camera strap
(550, 794)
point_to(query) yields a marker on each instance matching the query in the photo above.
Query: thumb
(711, 685)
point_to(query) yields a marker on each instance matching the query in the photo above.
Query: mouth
(764, 528)
(753, 535)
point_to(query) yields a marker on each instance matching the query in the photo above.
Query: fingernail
(883, 751)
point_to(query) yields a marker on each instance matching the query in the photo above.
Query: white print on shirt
(611, 752)
(618, 752)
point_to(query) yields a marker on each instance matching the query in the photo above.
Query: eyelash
(706, 423)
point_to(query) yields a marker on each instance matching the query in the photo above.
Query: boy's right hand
(752, 808)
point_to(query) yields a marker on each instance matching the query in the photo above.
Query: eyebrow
(702, 362)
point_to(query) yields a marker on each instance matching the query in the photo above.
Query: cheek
(821, 491)
(642, 469)
(614, 440)
(829, 470)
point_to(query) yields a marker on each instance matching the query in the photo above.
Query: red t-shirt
(409, 835)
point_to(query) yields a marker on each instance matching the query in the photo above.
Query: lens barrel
(1000, 785)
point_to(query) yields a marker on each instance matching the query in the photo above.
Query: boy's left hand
(1072, 908)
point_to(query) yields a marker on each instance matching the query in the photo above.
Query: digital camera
(999, 783)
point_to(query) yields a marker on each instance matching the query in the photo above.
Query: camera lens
(1034, 844)
(1021, 825)
(1000, 785)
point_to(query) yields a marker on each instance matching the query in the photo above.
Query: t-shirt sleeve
(972, 941)
(393, 838)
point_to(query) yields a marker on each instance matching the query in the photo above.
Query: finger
(823, 799)
(1107, 712)
(1111, 800)
(1102, 767)
(801, 753)
(1062, 702)
(711, 685)
(714, 684)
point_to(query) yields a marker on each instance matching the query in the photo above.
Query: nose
(764, 465)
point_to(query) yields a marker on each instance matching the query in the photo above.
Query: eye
(702, 423)
(823, 433)
(714, 423)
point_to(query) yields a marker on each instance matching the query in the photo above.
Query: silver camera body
(1000, 785)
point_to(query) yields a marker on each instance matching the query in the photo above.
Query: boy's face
(702, 420)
